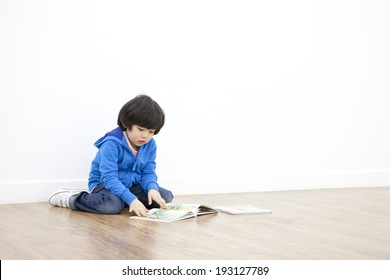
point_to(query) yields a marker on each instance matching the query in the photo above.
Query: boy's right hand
(138, 208)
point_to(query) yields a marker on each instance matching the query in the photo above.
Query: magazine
(176, 212)
(243, 209)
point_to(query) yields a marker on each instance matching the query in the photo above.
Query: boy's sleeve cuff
(152, 186)
(128, 197)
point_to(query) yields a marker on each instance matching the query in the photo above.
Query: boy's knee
(114, 205)
(170, 197)
(167, 195)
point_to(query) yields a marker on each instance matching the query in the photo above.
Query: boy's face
(139, 135)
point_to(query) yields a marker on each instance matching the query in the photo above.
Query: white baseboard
(26, 192)
(276, 182)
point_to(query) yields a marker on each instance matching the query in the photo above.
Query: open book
(176, 212)
(243, 209)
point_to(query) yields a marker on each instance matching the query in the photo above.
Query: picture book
(243, 209)
(176, 212)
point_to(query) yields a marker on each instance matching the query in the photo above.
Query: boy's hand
(138, 208)
(155, 195)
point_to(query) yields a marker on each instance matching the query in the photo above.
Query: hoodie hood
(116, 135)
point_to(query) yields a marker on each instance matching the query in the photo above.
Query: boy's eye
(141, 129)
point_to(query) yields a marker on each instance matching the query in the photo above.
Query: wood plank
(350, 223)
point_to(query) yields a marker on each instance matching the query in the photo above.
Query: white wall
(259, 95)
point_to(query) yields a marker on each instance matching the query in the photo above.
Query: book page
(176, 212)
(187, 207)
(164, 215)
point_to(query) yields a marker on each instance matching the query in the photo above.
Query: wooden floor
(351, 223)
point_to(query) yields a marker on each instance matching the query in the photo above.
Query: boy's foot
(61, 197)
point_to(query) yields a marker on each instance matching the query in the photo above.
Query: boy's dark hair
(143, 111)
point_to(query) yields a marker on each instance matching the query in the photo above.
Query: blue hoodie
(118, 170)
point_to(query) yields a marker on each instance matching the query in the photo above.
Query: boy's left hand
(155, 195)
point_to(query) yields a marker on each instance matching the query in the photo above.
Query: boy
(123, 171)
